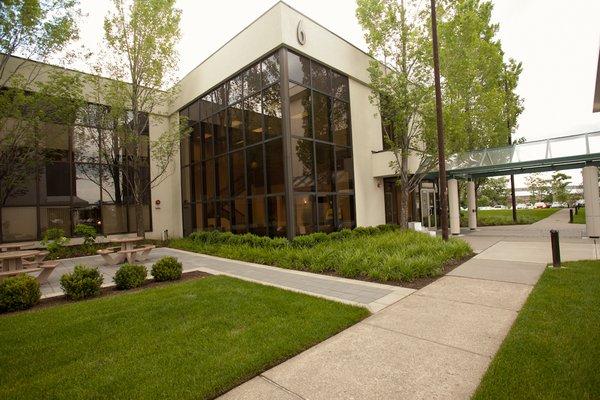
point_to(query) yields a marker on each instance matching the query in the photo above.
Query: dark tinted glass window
(238, 214)
(19, 223)
(340, 86)
(235, 89)
(322, 112)
(252, 80)
(236, 127)
(25, 194)
(207, 139)
(194, 112)
(345, 212)
(272, 111)
(222, 171)
(275, 176)
(220, 131)
(326, 206)
(211, 215)
(197, 182)
(270, 70)
(60, 217)
(299, 68)
(300, 111)
(253, 119)
(341, 123)
(57, 179)
(325, 167)
(196, 139)
(344, 180)
(302, 165)
(184, 149)
(277, 216)
(209, 178)
(321, 79)
(199, 216)
(257, 216)
(224, 212)
(238, 177)
(304, 210)
(114, 218)
(254, 170)
(206, 106)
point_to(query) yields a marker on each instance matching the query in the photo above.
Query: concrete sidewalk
(433, 344)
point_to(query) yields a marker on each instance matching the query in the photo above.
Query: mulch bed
(112, 291)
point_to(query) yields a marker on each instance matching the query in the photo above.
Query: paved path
(375, 296)
(435, 343)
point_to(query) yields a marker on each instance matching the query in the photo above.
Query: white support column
(472, 205)
(591, 197)
(454, 206)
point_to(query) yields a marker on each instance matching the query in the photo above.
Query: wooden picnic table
(127, 243)
(4, 247)
(13, 260)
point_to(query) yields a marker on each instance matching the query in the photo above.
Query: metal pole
(512, 177)
(571, 215)
(440, 126)
(555, 248)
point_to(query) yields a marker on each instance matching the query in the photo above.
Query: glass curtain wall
(232, 163)
(233, 167)
(75, 186)
(321, 159)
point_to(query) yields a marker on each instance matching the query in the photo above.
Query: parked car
(580, 203)
(540, 204)
(557, 204)
(521, 206)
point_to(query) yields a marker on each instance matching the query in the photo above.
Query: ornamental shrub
(54, 239)
(306, 241)
(19, 293)
(87, 232)
(82, 283)
(167, 269)
(130, 276)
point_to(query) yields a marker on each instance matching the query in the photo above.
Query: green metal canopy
(567, 152)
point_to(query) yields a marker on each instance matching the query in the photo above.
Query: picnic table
(128, 250)
(4, 247)
(25, 261)
(13, 260)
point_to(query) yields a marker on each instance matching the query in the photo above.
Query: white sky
(557, 42)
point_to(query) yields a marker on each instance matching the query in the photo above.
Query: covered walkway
(568, 152)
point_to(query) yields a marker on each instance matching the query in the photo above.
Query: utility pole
(440, 126)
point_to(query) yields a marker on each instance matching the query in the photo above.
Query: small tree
(558, 186)
(494, 191)
(538, 187)
(401, 85)
(140, 56)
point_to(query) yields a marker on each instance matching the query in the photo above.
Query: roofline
(259, 17)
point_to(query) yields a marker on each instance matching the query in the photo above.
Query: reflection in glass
(220, 131)
(270, 70)
(320, 77)
(277, 216)
(209, 178)
(238, 216)
(272, 111)
(211, 215)
(224, 215)
(257, 216)
(238, 177)
(86, 146)
(341, 123)
(344, 180)
(197, 182)
(236, 127)
(275, 168)
(253, 119)
(325, 167)
(114, 218)
(207, 139)
(198, 217)
(55, 217)
(299, 68)
(252, 80)
(340, 86)
(322, 111)
(300, 111)
(304, 210)
(196, 139)
(302, 165)
(345, 212)
(254, 170)
(222, 170)
(19, 224)
(235, 89)
(325, 213)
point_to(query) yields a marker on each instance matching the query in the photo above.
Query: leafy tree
(140, 37)
(32, 97)
(396, 34)
(538, 187)
(494, 190)
(558, 187)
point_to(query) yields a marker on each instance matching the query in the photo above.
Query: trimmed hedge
(167, 269)
(130, 276)
(19, 293)
(82, 283)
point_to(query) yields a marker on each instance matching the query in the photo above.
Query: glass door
(428, 208)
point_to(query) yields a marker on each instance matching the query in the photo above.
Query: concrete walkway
(373, 295)
(435, 343)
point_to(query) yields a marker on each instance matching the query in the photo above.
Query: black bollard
(570, 215)
(555, 248)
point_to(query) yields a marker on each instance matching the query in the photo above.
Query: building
(284, 142)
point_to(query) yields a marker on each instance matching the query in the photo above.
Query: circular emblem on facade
(300, 33)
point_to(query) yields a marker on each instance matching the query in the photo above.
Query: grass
(553, 349)
(504, 217)
(579, 218)
(383, 255)
(190, 340)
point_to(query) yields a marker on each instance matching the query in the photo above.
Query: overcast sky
(557, 41)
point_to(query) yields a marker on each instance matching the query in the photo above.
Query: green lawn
(504, 217)
(553, 349)
(384, 256)
(579, 218)
(189, 340)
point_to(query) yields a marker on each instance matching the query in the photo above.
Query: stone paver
(375, 296)
(497, 270)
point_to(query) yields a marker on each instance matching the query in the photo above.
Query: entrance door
(428, 208)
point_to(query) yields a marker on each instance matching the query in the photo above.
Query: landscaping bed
(381, 254)
(553, 349)
(82, 250)
(504, 217)
(579, 218)
(188, 340)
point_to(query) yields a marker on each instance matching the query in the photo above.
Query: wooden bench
(141, 253)
(110, 257)
(6, 274)
(47, 267)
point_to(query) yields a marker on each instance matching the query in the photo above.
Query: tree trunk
(139, 219)
(403, 211)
